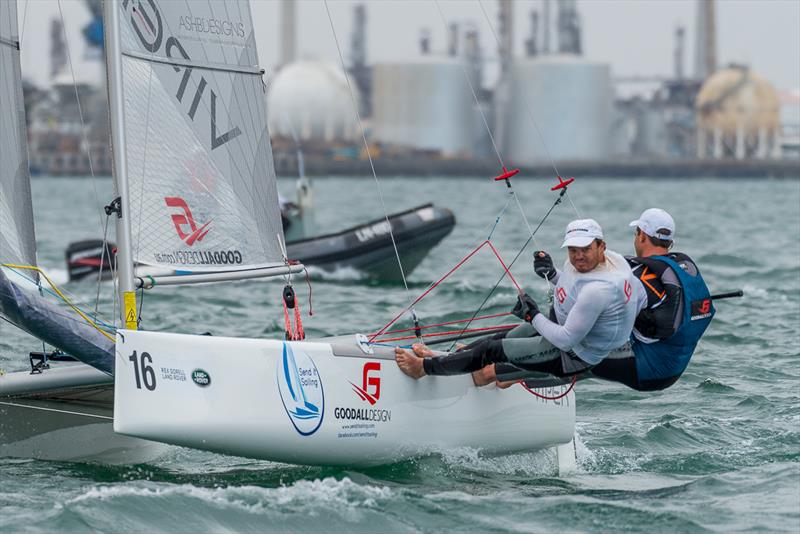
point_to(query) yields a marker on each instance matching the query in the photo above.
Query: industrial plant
(437, 113)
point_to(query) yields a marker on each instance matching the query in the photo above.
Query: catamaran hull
(65, 414)
(316, 403)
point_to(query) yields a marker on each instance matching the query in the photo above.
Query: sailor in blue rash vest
(676, 309)
(595, 308)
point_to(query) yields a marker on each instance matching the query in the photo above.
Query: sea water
(718, 451)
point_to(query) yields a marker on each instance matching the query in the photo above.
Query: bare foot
(421, 350)
(506, 385)
(485, 376)
(409, 363)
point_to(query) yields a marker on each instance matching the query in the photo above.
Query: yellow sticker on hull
(131, 323)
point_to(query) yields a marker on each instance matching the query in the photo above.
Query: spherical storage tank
(738, 114)
(312, 99)
(424, 104)
(571, 101)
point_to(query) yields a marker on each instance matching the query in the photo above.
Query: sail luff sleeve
(17, 235)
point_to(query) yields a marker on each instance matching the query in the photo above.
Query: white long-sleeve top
(595, 310)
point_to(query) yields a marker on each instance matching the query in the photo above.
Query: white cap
(656, 223)
(581, 233)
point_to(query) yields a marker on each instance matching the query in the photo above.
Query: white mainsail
(200, 178)
(17, 237)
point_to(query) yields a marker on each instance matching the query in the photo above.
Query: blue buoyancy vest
(670, 357)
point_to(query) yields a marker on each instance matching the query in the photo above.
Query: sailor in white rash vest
(595, 308)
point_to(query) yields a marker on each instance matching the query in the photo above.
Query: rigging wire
(24, 20)
(471, 86)
(530, 114)
(80, 115)
(474, 93)
(366, 144)
(512, 192)
(528, 110)
(511, 263)
(102, 260)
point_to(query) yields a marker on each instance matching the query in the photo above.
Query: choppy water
(718, 451)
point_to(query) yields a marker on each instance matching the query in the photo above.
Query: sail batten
(176, 62)
(202, 187)
(17, 236)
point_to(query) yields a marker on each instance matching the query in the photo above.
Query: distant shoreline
(398, 167)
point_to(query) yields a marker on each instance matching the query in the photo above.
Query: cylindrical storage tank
(571, 101)
(425, 104)
(310, 99)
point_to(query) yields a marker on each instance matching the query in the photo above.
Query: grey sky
(635, 36)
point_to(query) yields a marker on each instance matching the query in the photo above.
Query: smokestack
(506, 31)
(358, 57)
(288, 29)
(473, 57)
(530, 42)
(452, 40)
(424, 41)
(569, 29)
(680, 38)
(705, 61)
(58, 48)
(546, 23)
(358, 39)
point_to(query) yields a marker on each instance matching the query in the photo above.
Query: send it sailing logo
(370, 389)
(184, 223)
(300, 387)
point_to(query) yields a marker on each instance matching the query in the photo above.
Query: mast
(127, 294)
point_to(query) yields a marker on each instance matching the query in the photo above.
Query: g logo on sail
(300, 387)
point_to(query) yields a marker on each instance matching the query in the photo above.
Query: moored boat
(366, 247)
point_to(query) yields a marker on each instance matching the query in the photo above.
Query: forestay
(17, 238)
(201, 180)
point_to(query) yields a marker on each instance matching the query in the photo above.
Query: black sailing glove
(543, 265)
(526, 308)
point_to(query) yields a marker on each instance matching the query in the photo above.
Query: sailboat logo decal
(184, 223)
(300, 387)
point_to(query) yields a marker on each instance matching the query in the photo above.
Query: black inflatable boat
(366, 247)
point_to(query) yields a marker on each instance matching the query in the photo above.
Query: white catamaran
(197, 197)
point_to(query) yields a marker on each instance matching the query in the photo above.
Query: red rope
(482, 317)
(298, 321)
(436, 334)
(511, 276)
(545, 397)
(440, 280)
(288, 323)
